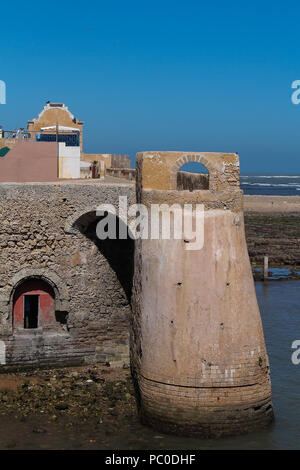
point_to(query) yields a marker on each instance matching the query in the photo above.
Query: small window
(192, 176)
(31, 311)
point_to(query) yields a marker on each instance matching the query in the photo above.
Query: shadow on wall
(119, 252)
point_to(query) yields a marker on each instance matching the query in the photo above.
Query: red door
(34, 305)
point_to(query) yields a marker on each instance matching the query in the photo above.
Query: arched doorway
(34, 305)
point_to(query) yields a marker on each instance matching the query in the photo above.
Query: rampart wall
(47, 232)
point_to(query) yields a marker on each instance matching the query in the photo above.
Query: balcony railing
(70, 138)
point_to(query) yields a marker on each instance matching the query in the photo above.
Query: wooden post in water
(266, 267)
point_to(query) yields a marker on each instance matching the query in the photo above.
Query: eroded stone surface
(199, 360)
(40, 237)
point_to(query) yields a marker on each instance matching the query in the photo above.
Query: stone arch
(58, 285)
(119, 253)
(200, 158)
(71, 226)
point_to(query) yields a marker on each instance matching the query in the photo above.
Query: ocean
(270, 185)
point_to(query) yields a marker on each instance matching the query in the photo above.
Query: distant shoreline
(272, 227)
(281, 204)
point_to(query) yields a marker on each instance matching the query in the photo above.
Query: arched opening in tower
(192, 176)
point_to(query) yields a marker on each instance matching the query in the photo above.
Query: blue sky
(161, 75)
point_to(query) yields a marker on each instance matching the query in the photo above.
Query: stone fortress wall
(47, 232)
(198, 354)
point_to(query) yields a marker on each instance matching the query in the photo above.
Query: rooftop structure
(25, 158)
(53, 116)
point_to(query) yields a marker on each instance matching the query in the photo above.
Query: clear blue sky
(166, 75)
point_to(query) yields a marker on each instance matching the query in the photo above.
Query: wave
(274, 176)
(279, 185)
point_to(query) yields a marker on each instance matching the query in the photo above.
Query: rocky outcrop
(276, 235)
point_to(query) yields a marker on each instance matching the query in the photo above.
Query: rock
(61, 406)
(39, 431)
(11, 445)
(98, 380)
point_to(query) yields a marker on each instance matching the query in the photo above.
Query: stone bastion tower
(198, 353)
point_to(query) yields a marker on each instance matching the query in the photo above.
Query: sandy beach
(283, 204)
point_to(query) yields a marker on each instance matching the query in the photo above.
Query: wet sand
(79, 407)
(273, 204)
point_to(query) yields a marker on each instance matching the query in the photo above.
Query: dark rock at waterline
(61, 406)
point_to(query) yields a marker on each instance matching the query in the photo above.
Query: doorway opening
(34, 306)
(31, 311)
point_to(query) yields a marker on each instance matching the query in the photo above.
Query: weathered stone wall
(120, 161)
(199, 361)
(97, 157)
(124, 173)
(192, 181)
(160, 169)
(47, 231)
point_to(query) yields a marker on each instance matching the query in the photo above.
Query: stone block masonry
(198, 354)
(47, 232)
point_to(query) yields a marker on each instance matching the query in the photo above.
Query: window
(192, 176)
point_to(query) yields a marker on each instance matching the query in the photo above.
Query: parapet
(158, 170)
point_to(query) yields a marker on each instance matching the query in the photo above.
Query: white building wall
(69, 161)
